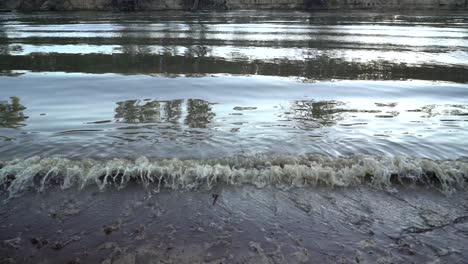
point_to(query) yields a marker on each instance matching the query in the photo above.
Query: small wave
(262, 170)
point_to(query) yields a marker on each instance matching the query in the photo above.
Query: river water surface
(209, 84)
(213, 85)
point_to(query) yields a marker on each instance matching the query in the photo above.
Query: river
(201, 101)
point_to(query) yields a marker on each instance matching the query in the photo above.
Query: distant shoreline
(186, 5)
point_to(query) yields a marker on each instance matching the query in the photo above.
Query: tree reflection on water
(198, 113)
(131, 111)
(11, 113)
(324, 113)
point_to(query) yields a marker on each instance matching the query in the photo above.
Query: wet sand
(235, 225)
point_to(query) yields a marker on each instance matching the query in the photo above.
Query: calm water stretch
(212, 86)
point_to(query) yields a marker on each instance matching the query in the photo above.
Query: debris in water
(59, 245)
(100, 122)
(13, 243)
(242, 108)
(111, 228)
(140, 232)
(39, 242)
(215, 198)
(386, 105)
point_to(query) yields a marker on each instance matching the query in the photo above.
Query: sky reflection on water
(197, 85)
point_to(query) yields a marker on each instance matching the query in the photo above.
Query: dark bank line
(319, 68)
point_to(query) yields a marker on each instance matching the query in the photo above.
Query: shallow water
(217, 102)
(205, 85)
(245, 225)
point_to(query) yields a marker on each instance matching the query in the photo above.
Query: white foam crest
(262, 170)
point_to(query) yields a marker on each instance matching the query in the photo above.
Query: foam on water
(261, 170)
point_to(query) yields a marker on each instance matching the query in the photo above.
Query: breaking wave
(279, 171)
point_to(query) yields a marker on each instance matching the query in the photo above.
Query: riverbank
(235, 225)
(142, 5)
